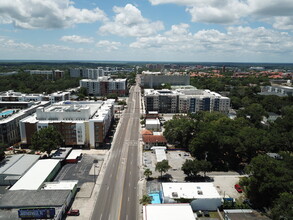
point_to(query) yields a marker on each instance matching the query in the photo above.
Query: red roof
(146, 132)
(154, 139)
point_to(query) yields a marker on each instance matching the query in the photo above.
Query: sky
(147, 30)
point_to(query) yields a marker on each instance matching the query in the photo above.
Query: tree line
(27, 83)
(230, 144)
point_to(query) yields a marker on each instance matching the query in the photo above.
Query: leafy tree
(46, 140)
(148, 173)
(283, 207)
(254, 113)
(190, 168)
(268, 179)
(179, 130)
(146, 199)
(162, 166)
(205, 166)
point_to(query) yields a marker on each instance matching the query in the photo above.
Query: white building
(43, 170)
(204, 195)
(80, 123)
(184, 101)
(87, 73)
(157, 79)
(167, 212)
(10, 117)
(153, 124)
(104, 86)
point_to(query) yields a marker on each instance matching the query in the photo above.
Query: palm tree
(148, 173)
(146, 199)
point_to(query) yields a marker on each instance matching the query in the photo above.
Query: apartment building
(157, 79)
(87, 73)
(10, 98)
(184, 101)
(104, 86)
(278, 90)
(83, 123)
(10, 117)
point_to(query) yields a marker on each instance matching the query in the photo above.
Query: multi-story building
(104, 86)
(87, 73)
(277, 90)
(10, 117)
(15, 98)
(184, 101)
(50, 74)
(59, 96)
(158, 79)
(80, 123)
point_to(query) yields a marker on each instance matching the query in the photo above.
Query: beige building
(80, 123)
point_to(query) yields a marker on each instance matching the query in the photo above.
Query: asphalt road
(117, 197)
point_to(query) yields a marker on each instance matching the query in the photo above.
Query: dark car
(73, 212)
(238, 188)
(206, 213)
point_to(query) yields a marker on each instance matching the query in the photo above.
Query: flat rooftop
(244, 214)
(74, 154)
(60, 185)
(190, 190)
(8, 161)
(168, 212)
(22, 165)
(35, 177)
(33, 198)
(61, 153)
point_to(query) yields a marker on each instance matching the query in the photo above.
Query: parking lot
(83, 170)
(223, 181)
(175, 158)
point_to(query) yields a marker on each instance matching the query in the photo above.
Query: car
(73, 212)
(199, 213)
(238, 188)
(206, 213)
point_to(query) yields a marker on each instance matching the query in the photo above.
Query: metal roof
(35, 177)
(8, 162)
(22, 165)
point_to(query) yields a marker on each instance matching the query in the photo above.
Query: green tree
(179, 130)
(205, 166)
(146, 199)
(162, 166)
(46, 140)
(283, 207)
(254, 113)
(190, 168)
(147, 173)
(268, 179)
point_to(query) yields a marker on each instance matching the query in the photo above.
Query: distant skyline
(147, 30)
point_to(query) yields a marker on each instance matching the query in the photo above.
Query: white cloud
(77, 39)
(279, 13)
(235, 41)
(46, 14)
(11, 44)
(129, 22)
(108, 45)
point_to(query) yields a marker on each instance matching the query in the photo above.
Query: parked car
(199, 213)
(238, 188)
(73, 212)
(206, 213)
